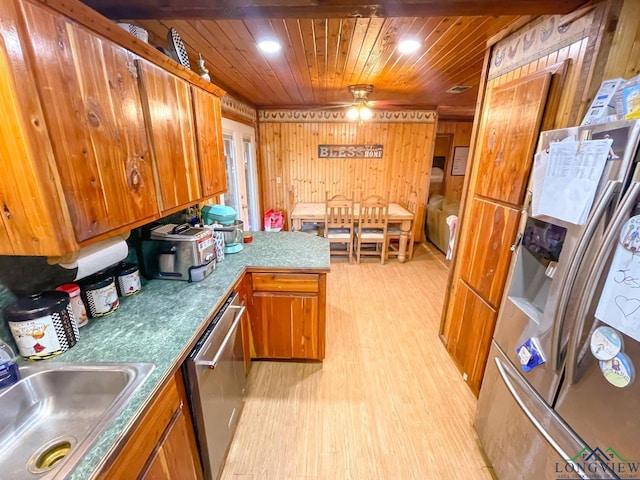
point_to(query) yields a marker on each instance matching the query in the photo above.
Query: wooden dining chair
(338, 224)
(372, 227)
(394, 232)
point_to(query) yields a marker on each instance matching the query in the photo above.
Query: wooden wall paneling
(89, 91)
(486, 258)
(471, 334)
(405, 165)
(624, 60)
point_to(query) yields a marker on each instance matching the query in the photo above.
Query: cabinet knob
(5, 209)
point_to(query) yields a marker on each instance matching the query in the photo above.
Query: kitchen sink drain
(48, 456)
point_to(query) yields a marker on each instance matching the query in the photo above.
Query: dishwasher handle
(212, 363)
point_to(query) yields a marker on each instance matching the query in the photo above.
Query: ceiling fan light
(353, 114)
(408, 46)
(269, 46)
(365, 113)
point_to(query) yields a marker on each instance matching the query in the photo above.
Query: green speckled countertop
(162, 322)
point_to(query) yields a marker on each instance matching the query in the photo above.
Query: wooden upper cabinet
(511, 125)
(208, 117)
(33, 218)
(169, 116)
(89, 91)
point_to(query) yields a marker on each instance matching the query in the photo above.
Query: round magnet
(606, 343)
(630, 234)
(618, 371)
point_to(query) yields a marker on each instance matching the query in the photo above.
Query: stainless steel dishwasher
(216, 381)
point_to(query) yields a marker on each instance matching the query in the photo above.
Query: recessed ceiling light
(408, 46)
(269, 46)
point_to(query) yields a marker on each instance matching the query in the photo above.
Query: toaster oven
(178, 252)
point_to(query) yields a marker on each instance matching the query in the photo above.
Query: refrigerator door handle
(620, 216)
(611, 190)
(510, 382)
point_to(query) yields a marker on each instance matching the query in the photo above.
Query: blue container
(9, 373)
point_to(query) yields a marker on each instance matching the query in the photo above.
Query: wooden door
(169, 115)
(89, 92)
(208, 119)
(171, 459)
(506, 142)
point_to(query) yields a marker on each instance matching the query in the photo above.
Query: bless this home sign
(349, 151)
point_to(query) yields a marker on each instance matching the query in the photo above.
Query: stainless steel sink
(54, 414)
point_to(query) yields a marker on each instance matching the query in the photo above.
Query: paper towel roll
(98, 256)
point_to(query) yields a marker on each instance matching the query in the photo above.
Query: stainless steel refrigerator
(558, 399)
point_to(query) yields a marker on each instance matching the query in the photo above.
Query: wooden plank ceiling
(322, 55)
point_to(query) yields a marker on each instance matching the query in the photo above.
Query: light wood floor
(387, 403)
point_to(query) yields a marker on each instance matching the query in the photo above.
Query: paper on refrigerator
(571, 179)
(619, 304)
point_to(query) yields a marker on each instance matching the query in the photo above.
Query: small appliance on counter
(222, 218)
(178, 252)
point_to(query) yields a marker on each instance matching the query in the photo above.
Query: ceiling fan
(360, 109)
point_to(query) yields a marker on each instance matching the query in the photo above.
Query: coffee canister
(42, 325)
(128, 279)
(77, 305)
(100, 294)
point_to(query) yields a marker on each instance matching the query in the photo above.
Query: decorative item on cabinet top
(202, 70)
(177, 48)
(136, 31)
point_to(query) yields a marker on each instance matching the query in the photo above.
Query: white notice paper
(573, 172)
(540, 161)
(619, 304)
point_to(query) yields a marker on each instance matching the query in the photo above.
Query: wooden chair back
(373, 213)
(291, 203)
(338, 212)
(412, 202)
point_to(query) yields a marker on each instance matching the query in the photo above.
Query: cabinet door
(285, 326)
(471, 332)
(487, 254)
(208, 119)
(167, 102)
(169, 460)
(162, 441)
(89, 92)
(32, 212)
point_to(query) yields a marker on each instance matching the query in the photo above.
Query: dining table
(313, 212)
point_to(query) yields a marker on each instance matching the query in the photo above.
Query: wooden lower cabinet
(169, 461)
(287, 315)
(163, 444)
